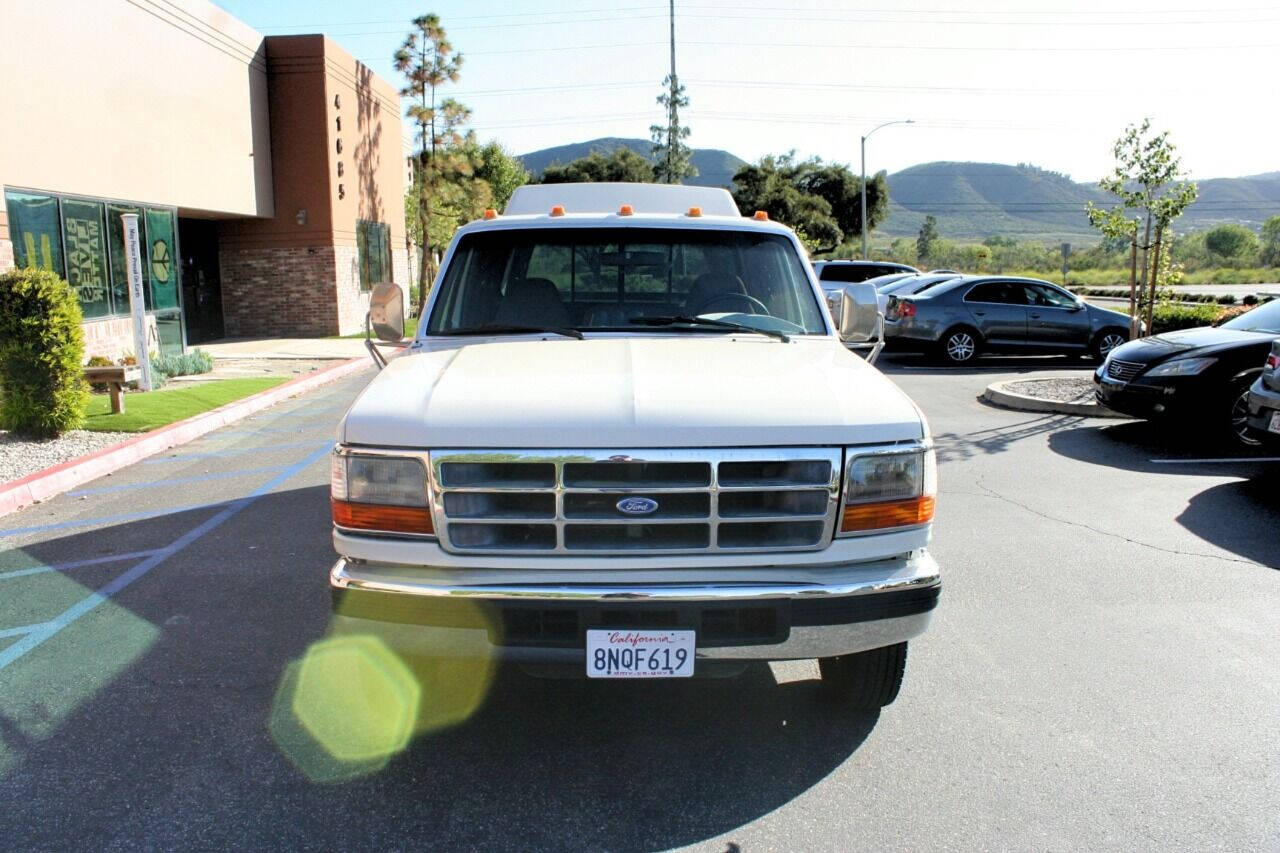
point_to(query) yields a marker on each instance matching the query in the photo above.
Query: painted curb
(998, 393)
(56, 479)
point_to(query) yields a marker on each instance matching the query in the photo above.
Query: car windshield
(1264, 318)
(609, 279)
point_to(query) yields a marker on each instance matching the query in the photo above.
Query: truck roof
(610, 197)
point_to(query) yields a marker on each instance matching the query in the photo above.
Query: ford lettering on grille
(637, 506)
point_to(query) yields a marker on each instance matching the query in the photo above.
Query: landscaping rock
(22, 456)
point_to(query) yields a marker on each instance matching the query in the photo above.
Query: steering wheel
(751, 302)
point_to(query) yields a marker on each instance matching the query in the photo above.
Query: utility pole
(672, 128)
(864, 175)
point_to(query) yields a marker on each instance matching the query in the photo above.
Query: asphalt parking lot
(1101, 673)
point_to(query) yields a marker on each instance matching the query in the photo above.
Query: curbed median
(1063, 395)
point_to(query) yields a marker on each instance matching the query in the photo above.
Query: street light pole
(864, 178)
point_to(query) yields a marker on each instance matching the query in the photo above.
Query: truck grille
(681, 501)
(1123, 371)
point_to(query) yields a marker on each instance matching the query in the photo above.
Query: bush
(1231, 313)
(41, 349)
(187, 364)
(99, 361)
(1170, 317)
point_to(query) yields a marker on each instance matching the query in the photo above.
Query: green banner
(87, 255)
(160, 259)
(33, 227)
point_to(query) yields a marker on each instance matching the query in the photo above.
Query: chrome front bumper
(856, 607)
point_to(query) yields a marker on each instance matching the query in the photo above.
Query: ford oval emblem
(637, 506)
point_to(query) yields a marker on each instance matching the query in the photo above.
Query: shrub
(99, 361)
(1170, 317)
(1231, 313)
(41, 349)
(1226, 299)
(187, 364)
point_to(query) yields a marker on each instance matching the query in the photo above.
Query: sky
(1047, 82)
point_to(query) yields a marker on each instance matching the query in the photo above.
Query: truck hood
(694, 391)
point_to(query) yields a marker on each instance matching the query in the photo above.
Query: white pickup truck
(627, 439)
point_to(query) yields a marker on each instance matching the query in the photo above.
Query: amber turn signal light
(882, 514)
(383, 518)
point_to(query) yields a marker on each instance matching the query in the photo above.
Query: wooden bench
(115, 379)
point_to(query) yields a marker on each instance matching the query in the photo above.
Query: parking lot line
(75, 564)
(1214, 461)
(174, 481)
(21, 630)
(239, 451)
(43, 632)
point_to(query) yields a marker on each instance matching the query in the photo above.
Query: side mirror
(859, 321)
(386, 311)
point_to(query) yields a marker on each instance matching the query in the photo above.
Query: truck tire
(867, 680)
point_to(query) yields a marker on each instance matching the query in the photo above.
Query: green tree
(672, 158)
(820, 199)
(927, 240)
(620, 165)
(1147, 183)
(502, 172)
(427, 61)
(774, 186)
(1231, 242)
(42, 389)
(1270, 254)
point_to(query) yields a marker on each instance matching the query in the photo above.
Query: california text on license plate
(640, 654)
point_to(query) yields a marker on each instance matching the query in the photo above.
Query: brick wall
(6, 255)
(282, 292)
(353, 303)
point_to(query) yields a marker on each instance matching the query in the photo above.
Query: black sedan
(961, 318)
(1199, 375)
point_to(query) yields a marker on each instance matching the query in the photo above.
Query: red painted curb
(56, 479)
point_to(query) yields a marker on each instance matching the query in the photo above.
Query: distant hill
(976, 200)
(715, 167)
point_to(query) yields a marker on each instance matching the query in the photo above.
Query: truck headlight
(886, 488)
(1181, 367)
(385, 494)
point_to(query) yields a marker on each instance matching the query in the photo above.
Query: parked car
(963, 317)
(1200, 374)
(1264, 398)
(854, 271)
(905, 285)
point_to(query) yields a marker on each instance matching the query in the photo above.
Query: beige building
(267, 172)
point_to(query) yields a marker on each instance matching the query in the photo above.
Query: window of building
(83, 241)
(33, 227)
(85, 235)
(373, 245)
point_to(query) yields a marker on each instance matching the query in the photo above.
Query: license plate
(1274, 426)
(640, 654)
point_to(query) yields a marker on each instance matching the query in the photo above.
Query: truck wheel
(867, 680)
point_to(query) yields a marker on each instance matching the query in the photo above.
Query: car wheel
(865, 681)
(1238, 414)
(959, 346)
(1107, 340)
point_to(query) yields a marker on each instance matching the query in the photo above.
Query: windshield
(603, 279)
(1264, 318)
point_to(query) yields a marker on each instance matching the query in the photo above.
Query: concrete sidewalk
(284, 348)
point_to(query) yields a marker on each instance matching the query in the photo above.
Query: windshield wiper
(707, 321)
(505, 329)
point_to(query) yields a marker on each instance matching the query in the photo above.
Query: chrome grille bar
(566, 502)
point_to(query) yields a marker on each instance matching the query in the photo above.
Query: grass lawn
(147, 410)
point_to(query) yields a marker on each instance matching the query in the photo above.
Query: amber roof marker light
(695, 211)
(557, 210)
(761, 216)
(626, 210)
(490, 213)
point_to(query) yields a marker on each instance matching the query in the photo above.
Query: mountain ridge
(975, 200)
